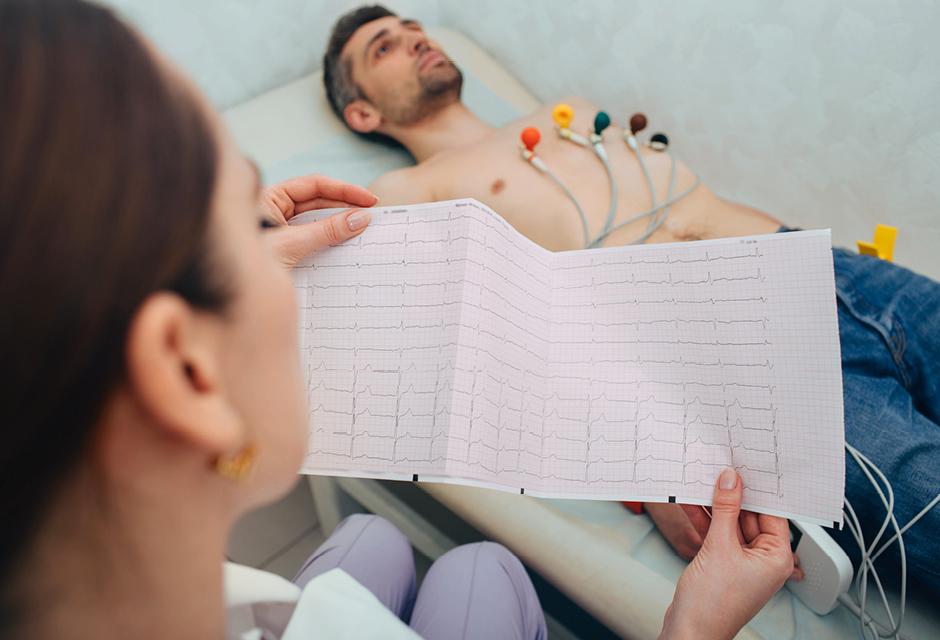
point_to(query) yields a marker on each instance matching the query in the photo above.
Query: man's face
(403, 74)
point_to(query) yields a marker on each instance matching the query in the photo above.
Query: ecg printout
(442, 345)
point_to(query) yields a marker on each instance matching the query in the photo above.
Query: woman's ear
(361, 116)
(174, 362)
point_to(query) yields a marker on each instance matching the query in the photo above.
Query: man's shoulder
(399, 178)
(402, 186)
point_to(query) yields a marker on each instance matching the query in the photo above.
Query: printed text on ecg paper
(443, 344)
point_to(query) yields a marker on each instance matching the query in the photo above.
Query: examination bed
(611, 563)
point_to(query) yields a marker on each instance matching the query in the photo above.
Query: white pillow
(291, 130)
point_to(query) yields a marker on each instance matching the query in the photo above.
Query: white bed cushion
(292, 130)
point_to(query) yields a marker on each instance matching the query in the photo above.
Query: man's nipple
(498, 185)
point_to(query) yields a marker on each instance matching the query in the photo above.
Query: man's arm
(403, 186)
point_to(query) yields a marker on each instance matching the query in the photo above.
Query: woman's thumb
(331, 231)
(726, 506)
(294, 243)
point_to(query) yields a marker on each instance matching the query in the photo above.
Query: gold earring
(237, 466)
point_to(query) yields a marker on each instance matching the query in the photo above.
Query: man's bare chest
(534, 204)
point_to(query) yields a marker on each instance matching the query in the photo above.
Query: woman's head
(146, 327)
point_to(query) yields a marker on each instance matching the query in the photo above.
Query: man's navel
(498, 185)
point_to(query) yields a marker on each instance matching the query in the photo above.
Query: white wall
(236, 49)
(825, 113)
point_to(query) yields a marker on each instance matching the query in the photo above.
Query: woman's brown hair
(107, 168)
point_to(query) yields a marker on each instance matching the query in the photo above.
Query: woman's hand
(284, 200)
(684, 527)
(743, 562)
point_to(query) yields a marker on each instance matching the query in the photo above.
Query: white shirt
(263, 606)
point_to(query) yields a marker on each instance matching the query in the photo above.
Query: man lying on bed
(386, 79)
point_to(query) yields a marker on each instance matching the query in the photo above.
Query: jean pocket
(874, 317)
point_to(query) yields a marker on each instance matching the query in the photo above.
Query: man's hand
(283, 201)
(743, 562)
(684, 535)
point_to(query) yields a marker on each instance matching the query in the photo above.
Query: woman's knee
(370, 529)
(358, 542)
(478, 590)
(482, 554)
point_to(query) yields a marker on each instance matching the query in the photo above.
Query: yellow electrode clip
(883, 244)
(562, 114)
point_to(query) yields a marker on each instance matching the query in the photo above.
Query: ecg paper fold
(443, 345)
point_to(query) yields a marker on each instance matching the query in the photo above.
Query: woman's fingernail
(358, 220)
(727, 479)
(376, 199)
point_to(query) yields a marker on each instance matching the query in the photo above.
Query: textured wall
(825, 113)
(236, 49)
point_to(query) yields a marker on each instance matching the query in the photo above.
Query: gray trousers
(474, 591)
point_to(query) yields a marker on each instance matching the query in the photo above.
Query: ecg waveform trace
(443, 345)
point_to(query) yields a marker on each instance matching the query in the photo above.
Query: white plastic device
(827, 568)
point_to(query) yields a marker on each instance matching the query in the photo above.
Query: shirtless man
(414, 93)
(385, 78)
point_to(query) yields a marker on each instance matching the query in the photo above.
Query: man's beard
(435, 91)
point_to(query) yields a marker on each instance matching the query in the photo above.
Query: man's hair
(341, 89)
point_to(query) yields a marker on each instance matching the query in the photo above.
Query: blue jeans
(889, 326)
